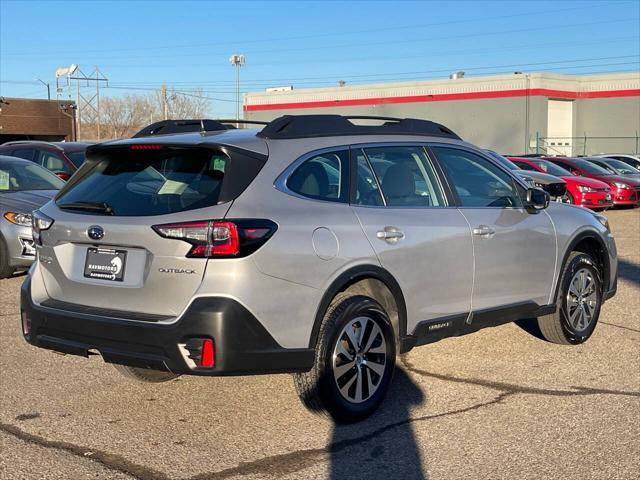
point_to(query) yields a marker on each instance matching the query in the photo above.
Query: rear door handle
(484, 231)
(390, 234)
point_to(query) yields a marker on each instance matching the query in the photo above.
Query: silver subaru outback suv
(318, 245)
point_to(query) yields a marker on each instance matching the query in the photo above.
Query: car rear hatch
(107, 249)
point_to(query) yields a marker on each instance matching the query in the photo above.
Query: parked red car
(582, 191)
(624, 190)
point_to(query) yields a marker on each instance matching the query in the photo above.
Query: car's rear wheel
(579, 301)
(145, 374)
(354, 362)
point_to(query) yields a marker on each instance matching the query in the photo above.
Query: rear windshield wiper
(98, 207)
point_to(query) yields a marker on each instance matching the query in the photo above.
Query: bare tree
(182, 105)
(123, 116)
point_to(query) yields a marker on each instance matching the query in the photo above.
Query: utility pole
(48, 88)
(237, 61)
(164, 101)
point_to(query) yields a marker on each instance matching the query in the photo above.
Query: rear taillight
(39, 223)
(219, 238)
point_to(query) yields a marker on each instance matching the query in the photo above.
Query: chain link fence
(586, 145)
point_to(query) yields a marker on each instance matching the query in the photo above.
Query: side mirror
(537, 199)
(575, 172)
(63, 176)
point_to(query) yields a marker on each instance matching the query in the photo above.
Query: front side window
(322, 177)
(477, 181)
(406, 176)
(16, 177)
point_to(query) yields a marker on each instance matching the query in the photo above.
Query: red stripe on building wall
(544, 92)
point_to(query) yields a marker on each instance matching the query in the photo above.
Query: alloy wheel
(582, 300)
(359, 359)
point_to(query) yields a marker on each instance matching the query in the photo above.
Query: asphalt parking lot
(497, 404)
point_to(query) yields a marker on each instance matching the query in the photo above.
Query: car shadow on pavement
(629, 271)
(383, 446)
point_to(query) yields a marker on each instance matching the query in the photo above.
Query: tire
(570, 198)
(5, 269)
(146, 374)
(372, 367)
(575, 319)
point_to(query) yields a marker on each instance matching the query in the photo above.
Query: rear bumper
(242, 345)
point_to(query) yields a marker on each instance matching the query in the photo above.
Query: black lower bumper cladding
(242, 345)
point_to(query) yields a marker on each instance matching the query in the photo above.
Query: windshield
(505, 162)
(551, 168)
(623, 168)
(17, 177)
(592, 168)
(77, 158)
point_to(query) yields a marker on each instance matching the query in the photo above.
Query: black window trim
(521, 187)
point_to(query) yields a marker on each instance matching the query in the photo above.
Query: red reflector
(146, 147)
(207, 360)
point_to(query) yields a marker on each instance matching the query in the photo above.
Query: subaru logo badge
(95, 232)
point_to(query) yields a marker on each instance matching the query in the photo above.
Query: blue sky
(141, 44)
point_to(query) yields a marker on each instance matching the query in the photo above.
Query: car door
(514, 249)
(418, 236)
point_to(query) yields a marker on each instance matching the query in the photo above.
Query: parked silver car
(316, 246)
(24, 186)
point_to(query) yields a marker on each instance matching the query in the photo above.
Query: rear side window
(52, 161)
(322, 177)
(149, 182)
(406, 176)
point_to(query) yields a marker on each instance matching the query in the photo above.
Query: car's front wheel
(579, 301)
(354, 362)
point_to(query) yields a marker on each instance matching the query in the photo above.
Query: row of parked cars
(31, 172)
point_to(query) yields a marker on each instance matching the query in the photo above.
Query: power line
(372, 44)
(326, 34)
(440, 53)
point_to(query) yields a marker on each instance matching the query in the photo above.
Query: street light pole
(48, 88)
(237, 61)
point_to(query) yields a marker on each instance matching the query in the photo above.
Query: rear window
(77, 158)
(169, 180)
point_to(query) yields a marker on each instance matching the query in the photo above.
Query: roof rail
(41, 142)
(232, 122)
(166, 127)
(301, 126)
